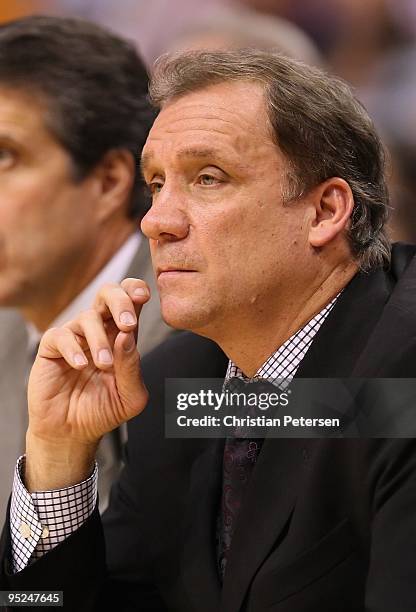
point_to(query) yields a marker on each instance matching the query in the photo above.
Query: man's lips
(171, 271)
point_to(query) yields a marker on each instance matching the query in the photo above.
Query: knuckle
(102, 296)
(88, 315)
(49, 336)
(116, 298)
(109, 288)
(55, 335)
(52, 333)
(128, 282)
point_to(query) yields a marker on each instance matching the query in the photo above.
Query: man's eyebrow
(198, 152)
(192, 152)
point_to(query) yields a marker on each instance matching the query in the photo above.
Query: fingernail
(104, 356)
(140, 291)
(80, 359)
(129, 343)
(127, 318)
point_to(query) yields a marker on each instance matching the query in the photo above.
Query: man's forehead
(202, 123)
(224, 103)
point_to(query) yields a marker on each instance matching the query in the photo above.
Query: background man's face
(46, 220)
(217, 178)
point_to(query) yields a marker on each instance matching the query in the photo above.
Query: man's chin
(184, 317)
(179, 322)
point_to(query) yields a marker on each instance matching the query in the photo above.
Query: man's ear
(333, 202)
(114, 176)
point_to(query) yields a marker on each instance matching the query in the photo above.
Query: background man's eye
(6, 157)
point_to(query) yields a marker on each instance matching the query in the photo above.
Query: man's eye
(208, 179)
(155, 187)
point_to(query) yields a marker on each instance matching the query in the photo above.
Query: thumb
(130, 386)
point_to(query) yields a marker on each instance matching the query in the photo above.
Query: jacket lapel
(269, 500)
(199, 565)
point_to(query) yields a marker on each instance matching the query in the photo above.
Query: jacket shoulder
(401, 256)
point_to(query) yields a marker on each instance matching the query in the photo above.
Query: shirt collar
(284, 362)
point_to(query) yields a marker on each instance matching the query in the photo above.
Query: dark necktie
(240, 456)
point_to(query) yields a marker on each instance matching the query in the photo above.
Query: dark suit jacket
(327, 525)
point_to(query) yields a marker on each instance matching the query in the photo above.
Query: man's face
(45, 216)
(224, 246)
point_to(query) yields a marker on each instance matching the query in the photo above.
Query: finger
(137, 289)
(90, 325)
(139, 293)
(131, 388)
(113, 301)
(62, 343)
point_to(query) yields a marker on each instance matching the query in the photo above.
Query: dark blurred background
(370, 43)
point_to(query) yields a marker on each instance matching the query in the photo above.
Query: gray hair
(318, 124)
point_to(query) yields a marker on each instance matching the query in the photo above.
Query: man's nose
(165, 220)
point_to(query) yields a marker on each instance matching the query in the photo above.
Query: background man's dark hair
(92, 82)
(321, 128)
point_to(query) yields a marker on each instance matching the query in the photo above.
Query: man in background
(73, 119)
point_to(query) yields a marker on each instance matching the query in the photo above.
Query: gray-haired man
(267, 236)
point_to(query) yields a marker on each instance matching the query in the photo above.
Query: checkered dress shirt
(281, 366)
(40, 521)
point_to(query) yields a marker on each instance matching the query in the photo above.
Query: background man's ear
(115, 176)
(334, 203)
